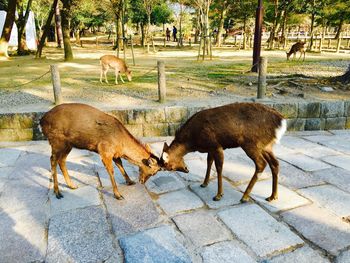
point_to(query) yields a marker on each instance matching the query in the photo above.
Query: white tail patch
(281, 130)
(40, 129)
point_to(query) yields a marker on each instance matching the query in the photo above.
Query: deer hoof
(73, 186)
(119, 197)
(218, 197)
(204, 185)
(245, 199)
(130, 182)
(271, 198)
(59, 195)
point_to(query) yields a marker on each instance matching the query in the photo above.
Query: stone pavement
(173, 219)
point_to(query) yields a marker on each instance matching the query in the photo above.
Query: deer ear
(165, 147)
(149, 162)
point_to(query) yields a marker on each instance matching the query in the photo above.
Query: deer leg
(107, 161)
(260, 164)
(105, 70)
(274, 166)
(107, 157)
(53, 160)
(62, 163)
(120, 75)
(219, 161)
(304, 55)
(210, 160)
(101, 74)
(116, 76)
(119, 164)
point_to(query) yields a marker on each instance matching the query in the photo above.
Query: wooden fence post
(262, 78)
(161, 81)
(56, 84)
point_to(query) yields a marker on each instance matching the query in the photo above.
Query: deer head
(172, 161)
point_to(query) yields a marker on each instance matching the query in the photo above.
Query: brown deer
(297, 47)
(253, 127)
(84, 127)
(118, 64)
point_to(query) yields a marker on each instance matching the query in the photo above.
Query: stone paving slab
(4, 174)
(336, 142)
(300, 255)
(23, 236)
(226, 252)
(80, 235)
(329, 197)
(136, 212)
(320, 227)
(231, 196)
(197, 168)
(297, 143)
(336, 176)
(295, 178)
(201, 228)
(105, 180)
(18, 196)
(157, 245)
(72, 199)
(287, 199)
(260, 231)
(342, 161)
(8, 157)
(344, 257)
(164, 182)
(179, 201)
(305, 163)
(241, 171)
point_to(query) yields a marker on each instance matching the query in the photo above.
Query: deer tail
(281, 130)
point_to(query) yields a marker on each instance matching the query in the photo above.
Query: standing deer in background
(297, 47)
(119, 66)
(253, 127)
(84, 127)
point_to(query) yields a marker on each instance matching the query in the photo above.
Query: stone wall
(163, 121)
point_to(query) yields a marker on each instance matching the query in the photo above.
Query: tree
(161, 15)
(139, 17)
(23, 10)
(46, 29)
(66, 16)
(6, 32)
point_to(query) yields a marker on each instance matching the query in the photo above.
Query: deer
(119, 66)
(297, 47)
(81, 126)
(252, 126)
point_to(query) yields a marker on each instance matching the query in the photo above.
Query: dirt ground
(25, 82)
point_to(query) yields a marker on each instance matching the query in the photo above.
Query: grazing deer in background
(297, 47)
(84, 127)
(253, 127)
(118, 64)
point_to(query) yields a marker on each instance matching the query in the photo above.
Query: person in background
(174, 33)
(167, 34)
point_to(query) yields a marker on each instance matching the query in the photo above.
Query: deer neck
(179, 149)
(135, 153)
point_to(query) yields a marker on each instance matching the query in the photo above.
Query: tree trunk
(312, 29)
(340, 28)
(6, 33)
(221, 24)
(244, 33)
(21, 26)
(142, 35)
(65, 15)
(58, 27)
(274, 27)
(46, 29)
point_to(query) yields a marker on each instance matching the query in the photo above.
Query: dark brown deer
(297, 47)
(84, 127)
(253, 127)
